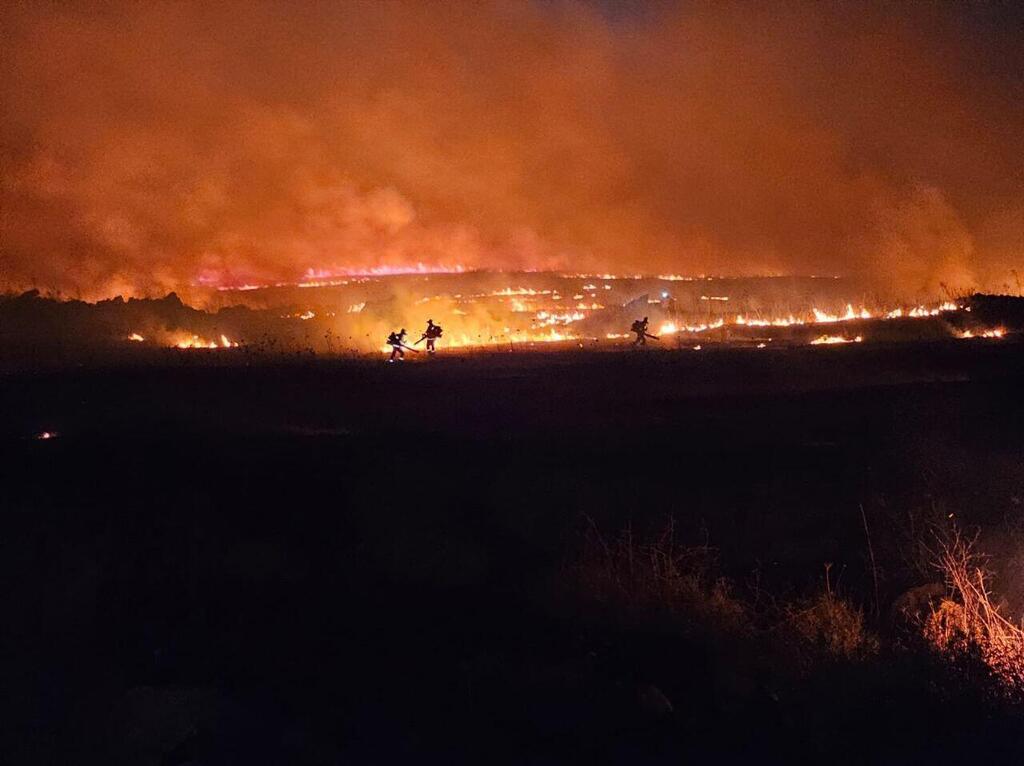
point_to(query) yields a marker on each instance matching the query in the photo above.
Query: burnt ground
(223, 559)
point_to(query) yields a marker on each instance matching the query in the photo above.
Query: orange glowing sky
(147, 146)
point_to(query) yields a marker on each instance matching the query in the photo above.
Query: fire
(508, 338)
(195, 341)
(828, 340)
(136, 338)
(545, 319)
(997, 332)
(822, 317)
(779, 322)
(510, 291)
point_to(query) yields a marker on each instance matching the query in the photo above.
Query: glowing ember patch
(355, 308)
(997, 332)
(509, 291)
(829, 340)
(136, 338)
(544, 319)
(46, 435)
(196, 342)
(307, 315)
(714, 297)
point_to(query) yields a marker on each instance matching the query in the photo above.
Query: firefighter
(432, 333)
(397, 342)
(640, 328)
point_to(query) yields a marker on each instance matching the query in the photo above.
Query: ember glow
(195, 341)
(831, 340)
(997, 332)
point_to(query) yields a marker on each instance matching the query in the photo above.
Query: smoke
(147, 147)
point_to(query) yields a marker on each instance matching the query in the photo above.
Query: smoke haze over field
(148, 146)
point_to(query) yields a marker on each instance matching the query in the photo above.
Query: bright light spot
(828, 340)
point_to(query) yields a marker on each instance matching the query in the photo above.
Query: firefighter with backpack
(397, 342)
(639, 327)
(431, 334)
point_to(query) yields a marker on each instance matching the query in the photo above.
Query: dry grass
(832, 625)
(657, 576)
(967, 623)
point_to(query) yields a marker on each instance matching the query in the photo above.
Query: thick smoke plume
(148, 146)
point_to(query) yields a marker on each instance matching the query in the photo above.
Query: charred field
(634, 557)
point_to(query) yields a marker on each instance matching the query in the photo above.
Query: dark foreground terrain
(222, 561)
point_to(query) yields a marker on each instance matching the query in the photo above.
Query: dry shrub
(831, 625)
(834, 626)
(967, 624)
(653, 577)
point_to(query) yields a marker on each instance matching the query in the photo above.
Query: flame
(996, 332)
(135, 337)
(822, 317)
(545, 319)
(828, 340)
(195, 341)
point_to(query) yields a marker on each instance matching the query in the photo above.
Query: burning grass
(968, 626)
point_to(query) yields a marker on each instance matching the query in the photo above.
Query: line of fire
(503, 312)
